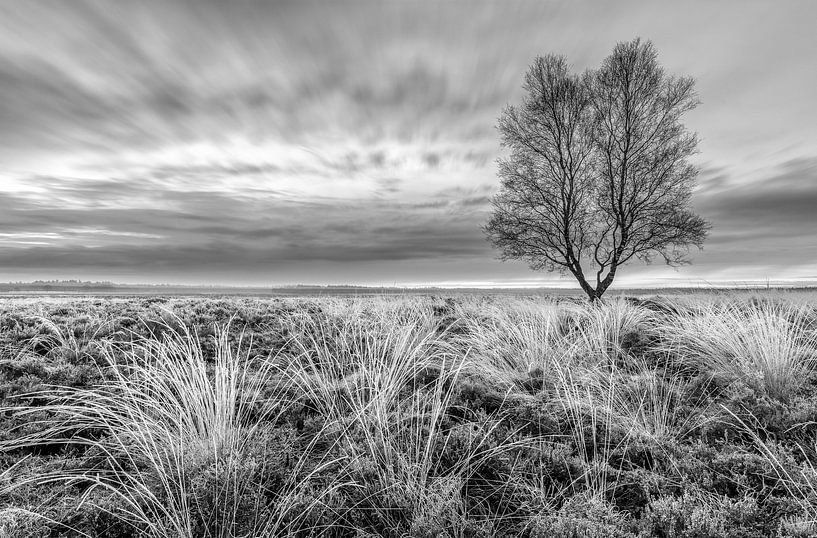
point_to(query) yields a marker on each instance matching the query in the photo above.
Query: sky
(346, 142)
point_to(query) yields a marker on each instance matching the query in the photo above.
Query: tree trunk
(593, 295)
(604, 284)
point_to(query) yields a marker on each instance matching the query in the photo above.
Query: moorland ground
(683, 416)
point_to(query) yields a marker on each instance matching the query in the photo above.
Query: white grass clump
(65, 343)
(384, 382)
(772, 341)
(163, 411)
(602, 326)
(587, 398)
(377, 382)
(656, 404)
(510, 340)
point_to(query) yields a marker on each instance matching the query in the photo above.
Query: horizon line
(688, 284)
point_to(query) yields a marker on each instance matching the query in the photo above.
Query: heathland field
(682, 416)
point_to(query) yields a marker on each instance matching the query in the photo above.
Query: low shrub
(461, 417)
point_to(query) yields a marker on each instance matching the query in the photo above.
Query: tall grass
(72, 343)
(601, 328)
(607, 398)
(657, 404)
(385, 383)
(512, 340)
(189, 435)
(772, 342)
(578, 354)
(522, 336)
(799, 480)
(587, 398)
(166, 411)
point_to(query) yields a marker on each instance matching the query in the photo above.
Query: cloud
(173, 229)
(782, 203)
(355, 140)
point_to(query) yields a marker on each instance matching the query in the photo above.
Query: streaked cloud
(285, 142)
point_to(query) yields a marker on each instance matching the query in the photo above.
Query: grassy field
(684, 416)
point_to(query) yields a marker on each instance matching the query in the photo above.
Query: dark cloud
(210, 228)
(781, 203)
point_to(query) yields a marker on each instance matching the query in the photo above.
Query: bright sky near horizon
(259, 143)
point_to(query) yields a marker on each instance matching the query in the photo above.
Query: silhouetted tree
(598, 172)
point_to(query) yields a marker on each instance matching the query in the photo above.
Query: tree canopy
(598, 171)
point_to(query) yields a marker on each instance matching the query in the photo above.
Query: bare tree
(598, 171)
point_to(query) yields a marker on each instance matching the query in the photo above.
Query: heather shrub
(582, 516)
(408, 416)
(695, 515)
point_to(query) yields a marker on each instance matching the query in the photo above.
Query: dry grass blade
(773, 342)
(165, 410)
